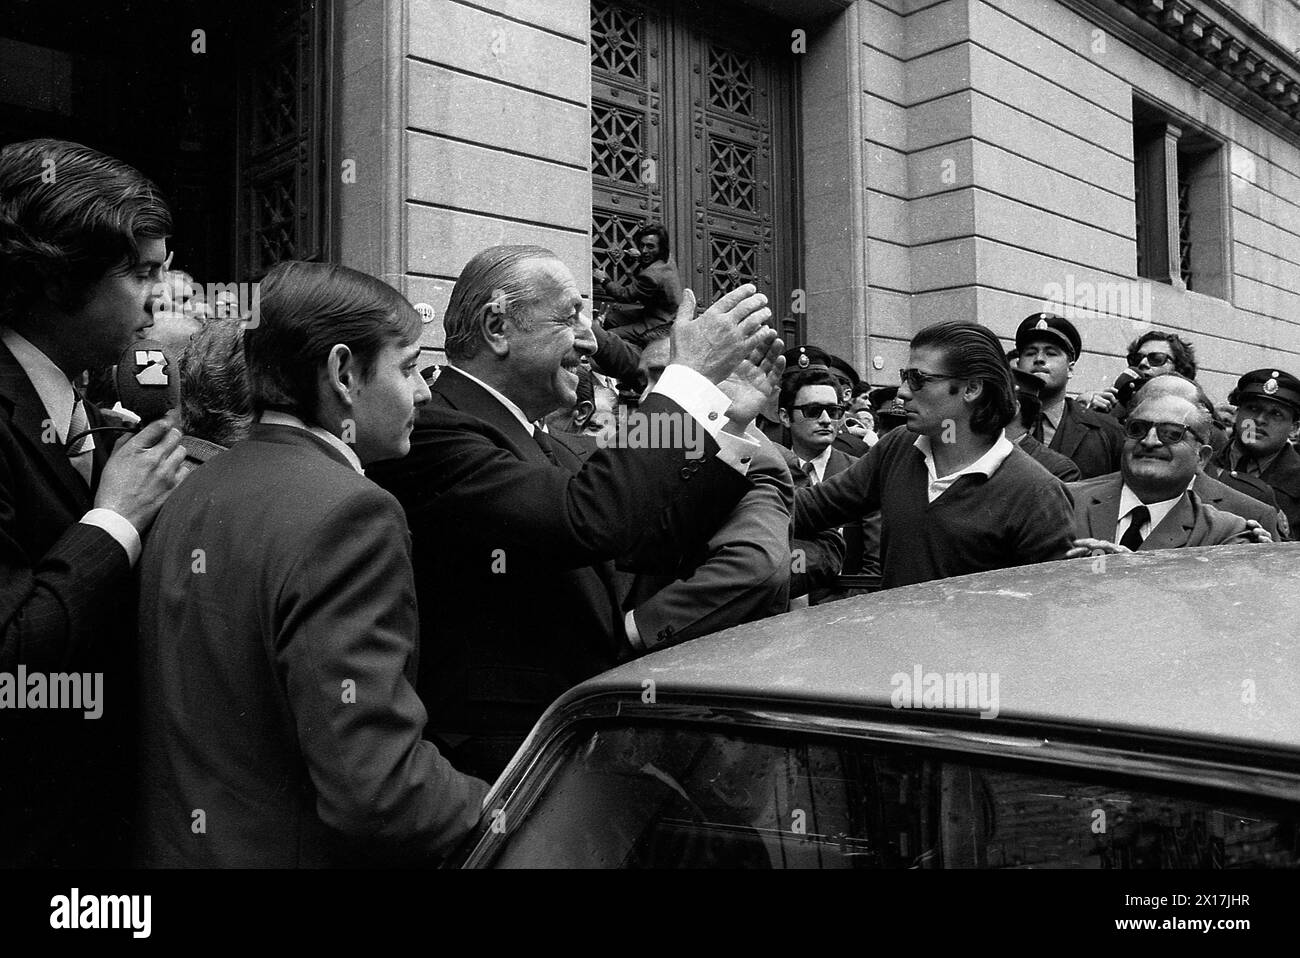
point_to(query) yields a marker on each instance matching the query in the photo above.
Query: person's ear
(582, 412)
(974, 389)
(785, 417)
(495, 326)
(342, 374)
(1204, 454)
(1069, 369)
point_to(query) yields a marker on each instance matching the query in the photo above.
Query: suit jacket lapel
(1174, 529)
(29, 419)
(1103, 512)
(1068, 433)
(461, 392)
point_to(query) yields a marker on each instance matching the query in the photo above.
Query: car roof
(1189, 642)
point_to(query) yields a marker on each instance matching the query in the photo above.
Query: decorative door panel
(690, 92)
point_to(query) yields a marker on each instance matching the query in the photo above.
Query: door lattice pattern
(617, 143)
(616, 40)
(731, 175)
(731, 81)
(731, 262)
(611, 235)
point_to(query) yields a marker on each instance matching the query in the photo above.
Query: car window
(641, 796)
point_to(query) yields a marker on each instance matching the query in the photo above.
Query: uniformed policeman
(1268, 409)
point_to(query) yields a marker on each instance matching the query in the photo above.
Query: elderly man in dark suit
(514, 549)
(80, 253)
(1047, 347)
(278, 626)
(1150, 503)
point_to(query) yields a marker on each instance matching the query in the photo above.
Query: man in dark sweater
(955, 495)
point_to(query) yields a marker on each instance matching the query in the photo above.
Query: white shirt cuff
(707, 405)
(119, 528)
(704, 401)
(633, 636)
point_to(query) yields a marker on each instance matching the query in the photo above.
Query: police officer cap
(1048, 327)
(1270, 384)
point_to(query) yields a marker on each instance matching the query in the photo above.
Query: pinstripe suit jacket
(65, 601)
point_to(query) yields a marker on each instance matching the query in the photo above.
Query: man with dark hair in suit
(82, 247)
(811, 410)
(514, 537)
(652, 296)
(1150, 504)
(1048, 346)
(278, 625)
(954, 494)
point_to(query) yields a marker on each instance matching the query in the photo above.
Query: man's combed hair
(1183, 353)
(797, 379)
(972, 351)
(216, 404)
(305, 310)
(69, 215)
(491, 276)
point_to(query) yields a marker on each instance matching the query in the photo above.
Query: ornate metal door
(693, 122)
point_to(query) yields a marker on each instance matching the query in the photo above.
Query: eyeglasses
(1153, 359)
(914, 379)
(814, 410)
(1169, 433)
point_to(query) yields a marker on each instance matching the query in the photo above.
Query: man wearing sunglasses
(811, 410)
(1150, 356)
(1047, 347)
(1150, 504)
(955, 495)
(1268, 409)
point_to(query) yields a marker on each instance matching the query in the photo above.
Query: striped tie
(81, 451)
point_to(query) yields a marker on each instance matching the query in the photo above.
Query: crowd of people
(332, 592)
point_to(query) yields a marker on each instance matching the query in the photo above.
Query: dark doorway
(694, 120)
(223, 103)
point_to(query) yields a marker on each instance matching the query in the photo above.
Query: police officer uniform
(1283, 472)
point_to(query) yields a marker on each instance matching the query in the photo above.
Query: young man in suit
(278, 625)
(1150, 503)
(654, 293)
(1047, 347)
(514, 538)
(82, 247)
(811, 409)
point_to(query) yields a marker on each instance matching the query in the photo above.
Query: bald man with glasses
(1149, 504)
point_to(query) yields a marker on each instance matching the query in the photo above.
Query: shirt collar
(986, 464)
(52, 387)
(819, 462)
(274, 417)
(1238, 457)
(500, 397)
(1128, 501)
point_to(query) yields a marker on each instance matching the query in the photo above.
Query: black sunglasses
(1169, 433)
(914, 379)
(1153, 359)
(814, 410)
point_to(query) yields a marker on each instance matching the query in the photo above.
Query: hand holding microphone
(144, 469)
(1120, 393)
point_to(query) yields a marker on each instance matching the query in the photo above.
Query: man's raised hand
(756, 378)
(727, 333)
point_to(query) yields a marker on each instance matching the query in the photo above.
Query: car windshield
(641, 796)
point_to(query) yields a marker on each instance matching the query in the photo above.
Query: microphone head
(148, 380)
(1126, 384)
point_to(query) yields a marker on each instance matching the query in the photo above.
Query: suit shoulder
(1093, 485)
(1222, 523)
(1093, 419)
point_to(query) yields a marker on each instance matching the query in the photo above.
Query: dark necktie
(1133, 534)
(1038, 427)
(544, 443)
(81, 452)
(810, 471)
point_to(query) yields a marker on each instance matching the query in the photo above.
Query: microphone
(148, 381)
(1126, 383)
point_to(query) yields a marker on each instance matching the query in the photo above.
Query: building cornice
(1213, 46)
